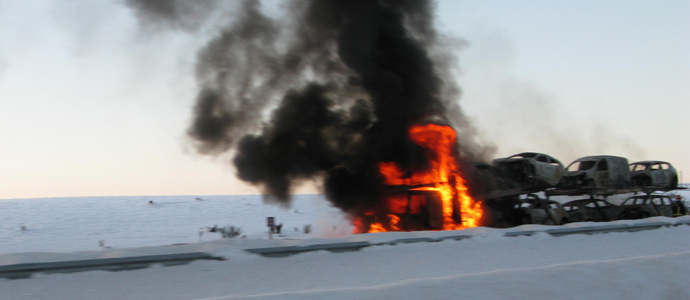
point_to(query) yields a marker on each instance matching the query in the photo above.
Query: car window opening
(603, 165)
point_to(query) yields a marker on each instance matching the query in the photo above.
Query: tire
(565, 221)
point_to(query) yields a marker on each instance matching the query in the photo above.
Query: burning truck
(433, 198)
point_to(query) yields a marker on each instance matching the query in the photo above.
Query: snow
(650, 264)
(78, 224)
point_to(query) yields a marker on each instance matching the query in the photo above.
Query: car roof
(650, 162)
(534, 154)
(526, 154)
(593, 157)
(585, 200)
(650, 196)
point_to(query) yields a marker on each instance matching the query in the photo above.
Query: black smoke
(326, 90)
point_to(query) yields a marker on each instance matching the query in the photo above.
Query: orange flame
(443, 177)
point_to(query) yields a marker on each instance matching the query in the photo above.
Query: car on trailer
(601, 171)
(646, 205)
(531, 169)
(653, 173)
(591, 210)
(532, 209)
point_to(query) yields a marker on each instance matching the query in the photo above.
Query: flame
(442, 178)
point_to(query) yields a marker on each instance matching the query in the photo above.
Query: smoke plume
(328, 90)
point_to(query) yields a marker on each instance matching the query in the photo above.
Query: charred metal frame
(410, 190)
(645, 190)
(512, 194)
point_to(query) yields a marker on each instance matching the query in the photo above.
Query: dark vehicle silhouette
(595, 210)
(653, 173)
(531, 169)
(535, 210)
(645, 206)
(602, 171)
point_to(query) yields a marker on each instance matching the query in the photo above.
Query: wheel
(565, 221)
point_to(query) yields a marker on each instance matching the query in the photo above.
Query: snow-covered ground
(77, 224)
(651, 264)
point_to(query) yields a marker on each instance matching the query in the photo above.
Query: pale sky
(91, 105)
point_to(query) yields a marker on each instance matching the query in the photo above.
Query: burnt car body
(645, 206)
(531, 169)
(535, 210)
(591, 210)
(653, 173)
(601, 171)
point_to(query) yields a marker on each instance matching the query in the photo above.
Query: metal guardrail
(606, 191)
(343, 247)
(290, 250)
(599, 229)
(610, 191)
(18, 271)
